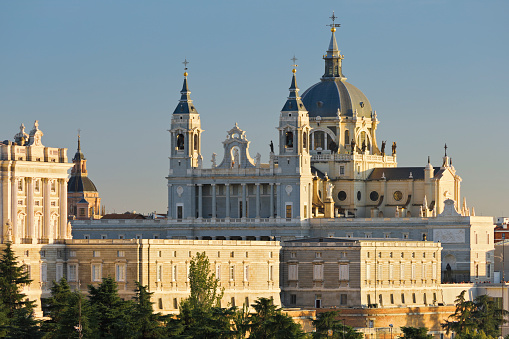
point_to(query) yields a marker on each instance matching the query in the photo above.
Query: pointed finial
(294, 59)
(429, 160)
(79, 140)
(333, 25)
(445, 148)
(185, 66)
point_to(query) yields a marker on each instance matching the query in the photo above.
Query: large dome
(80, 184)
(323, 99)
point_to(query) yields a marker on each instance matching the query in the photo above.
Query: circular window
(373, 196)
(342, 195)
(359, 196)
(398, 195)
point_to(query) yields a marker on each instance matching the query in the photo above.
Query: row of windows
(344, 272)
(368, 254)
(401, 255)
(218, 275)
(402, 299)
(391, 275)
(21, 202)
(37, 185)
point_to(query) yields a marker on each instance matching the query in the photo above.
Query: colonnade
(31, 221)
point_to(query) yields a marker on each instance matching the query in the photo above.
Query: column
(62, 197)
(200, 201)
(227, 188)
(257, 200)
(14, 210)
(278, 198)
(170, 201)
(271, 194)
(46, 218)
(30, 210)
(213, 201)
(244, 207)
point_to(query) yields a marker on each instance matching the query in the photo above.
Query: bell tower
(294, 160)
(294, 133)
(185, 152)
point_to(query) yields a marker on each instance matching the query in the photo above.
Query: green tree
(471, 317)
(112, 314)
(462, 319)
(270, 322)
(148, 323)
(204, 286)
(488, 316)
(17, 311)
(69, 313)
(200, 315)
(326, 321)
(415, 333)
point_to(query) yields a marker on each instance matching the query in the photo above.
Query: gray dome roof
(326, 97)
(80, 183)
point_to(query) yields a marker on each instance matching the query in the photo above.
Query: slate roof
(401, 173)
(317, 172)
(80, 183)
(123, 216)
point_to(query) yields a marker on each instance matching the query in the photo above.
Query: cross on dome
(333, 25)
(294, 59)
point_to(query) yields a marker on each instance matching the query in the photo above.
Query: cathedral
(327, 164)
(327, 176)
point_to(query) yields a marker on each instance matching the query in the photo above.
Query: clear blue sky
(434, 70)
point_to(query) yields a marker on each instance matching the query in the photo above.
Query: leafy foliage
(69, 312)
(204, 285)
(270, 322)
(16, 318)
(326, 321)
(415, 333)
(481, 316)
(147, 323)
(112, 314)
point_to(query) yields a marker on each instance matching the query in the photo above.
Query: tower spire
(185, 105)
(333, 57)
(294, 102)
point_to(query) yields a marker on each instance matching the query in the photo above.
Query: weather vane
(294, 59)
(333, 25)
(185, 64)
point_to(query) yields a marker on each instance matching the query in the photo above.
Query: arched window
(347, 137)
(289, 139)
(319, 140)
(304, 140)
(363, 142)
(195, 142)
(180, 141)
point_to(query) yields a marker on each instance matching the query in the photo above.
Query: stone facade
(247, 270)
(33, 190)
(346, 273)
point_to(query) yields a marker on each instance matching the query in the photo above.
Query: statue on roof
(353, 145)
(383, 148)
(394, 148)
(271, 145)
(21, 138)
